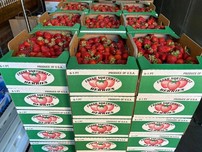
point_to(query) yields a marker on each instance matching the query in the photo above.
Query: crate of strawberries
(105, 7)
(59, 21)
(73, 7)
(138, 8)
(169, 64)
(37, 58)
(140, 23)
(102, 64)
(102, 23)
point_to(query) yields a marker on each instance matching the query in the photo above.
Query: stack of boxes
(39, 90)
(168, 95)
(102, 100)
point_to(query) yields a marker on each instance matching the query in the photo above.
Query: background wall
(185, 16)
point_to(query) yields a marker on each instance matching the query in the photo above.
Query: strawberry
(171, 59)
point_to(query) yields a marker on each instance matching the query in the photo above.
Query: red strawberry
(171, 59)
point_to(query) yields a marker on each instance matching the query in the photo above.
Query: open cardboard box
(184, 40)
(120, 29)
(151, 75)
(107, 4)
(126, 75)
(161, 20)
(62, 4)
(11, 65)
(46, 16)
(151, 6)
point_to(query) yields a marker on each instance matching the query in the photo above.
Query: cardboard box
(40, 118)
(41, 101)
(153, 74)
(102, 107)
(105, 144)
(159, 126)
(61, 6)
(161, 20)
(153, 142)
(165, 105)
(45, 17)
(151, 6)
(14, 68)
(84, 29)
(53, 146)
(101, 127)
(106, 4)
(79, 75)
(50, 134)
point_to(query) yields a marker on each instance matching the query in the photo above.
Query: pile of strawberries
(44, 44)
(143, 23)
(105, 8)
(75, 6)
(101, 50)
(63, 20)
(161, 50)
(102, 22)
(134, 8)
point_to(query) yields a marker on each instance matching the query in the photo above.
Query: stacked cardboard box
(163, 108)
(102, 100)
(39, 90)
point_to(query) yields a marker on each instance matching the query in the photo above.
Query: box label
(158, 126)
(166, 107)
(34, 77)
(102, 108)
(47, 119)
(182, 85)
(154, 142)
(101, 84)
(51, 135)
(55, 148)
(41, 100)
(174, 84)
(101, 128)
(101, 145)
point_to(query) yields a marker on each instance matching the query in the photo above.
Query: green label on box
(101, 144)
(101, 128)
(152, 125)
(34, 77)
(172, 82)
(167, 107)
(102, 107)
(41, 101)
(47, 134)
(48, 147)
(153, 141)
(45, 118)
(118, 85)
